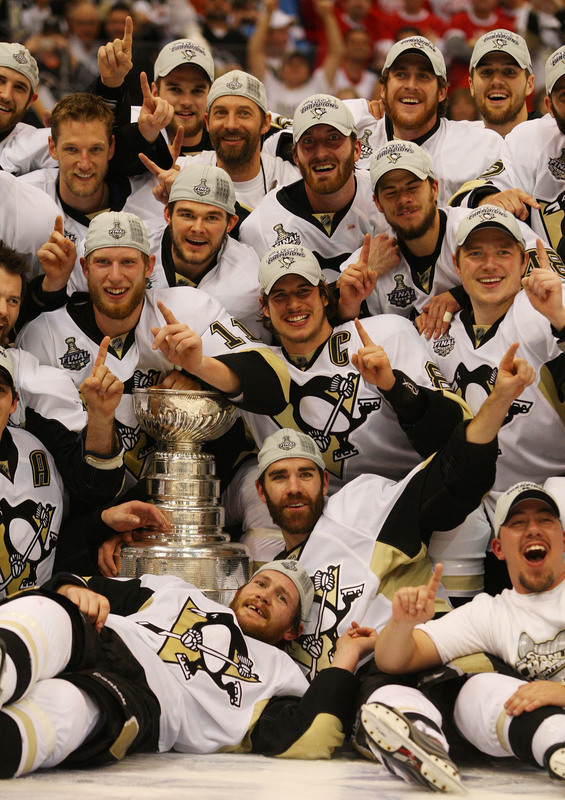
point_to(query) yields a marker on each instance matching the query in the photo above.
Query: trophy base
(217, 569)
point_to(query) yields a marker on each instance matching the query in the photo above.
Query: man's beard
(238, 156)
(414, 232)
(558, 118)
(342, 175)
(540, 584)
(413, 123)
(501, 116)
(297, 526)
(114, 311)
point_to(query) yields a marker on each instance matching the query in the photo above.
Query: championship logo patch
(74, 359)
(117, 231)
(557, 166)
(444, 345)
(366, 149)
(20, 57)
(401, 296)
(287, 444)
(234, 85)
(284, 237)
(202, 189)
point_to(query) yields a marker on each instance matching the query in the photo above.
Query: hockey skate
(407, 751)
(554, 761)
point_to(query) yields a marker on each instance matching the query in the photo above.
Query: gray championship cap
(521, 491)
(554, 69)
(489, 217)
(502, 41)
(16, 56)
(399, 154)
(204, 183)
(180, 52)
(288, 443)
(420, 46)
(238, 84)
(116, 229)
(322, 109)
(6, 366)
(288, 260)
(294, 570)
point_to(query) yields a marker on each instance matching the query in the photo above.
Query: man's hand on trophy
(179, 343)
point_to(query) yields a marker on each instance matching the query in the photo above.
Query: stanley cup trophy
(183, 484)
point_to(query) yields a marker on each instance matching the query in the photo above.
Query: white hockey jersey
(354, 426)
(69, 338)
(533, 159)
(25, 149)
(285, 217)
(31, 510)
(371, 539)
(47, 390)
(212, 682)
(27, 219)
(532, 439)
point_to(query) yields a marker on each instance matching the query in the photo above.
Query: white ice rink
(245, 777)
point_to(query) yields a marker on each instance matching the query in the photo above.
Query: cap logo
(117, 231)
(234, 84)
(393, 157)
(290, 565)
(189, 49)
(557, 57)
(20, 57)
(188, 54)
(287, 443)
(500, 39)
(557, 166)
(202, 189)
(419, 42)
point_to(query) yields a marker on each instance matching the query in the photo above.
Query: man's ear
(293, 633)
(52, 148)
(84, 267)
(149, 267)
(264, 307)
(496, 548)
(260, 492)
(325, 482)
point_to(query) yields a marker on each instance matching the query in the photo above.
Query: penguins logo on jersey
(314, 650)
(284, 237)
(211, 642)
(401, 296)
(541, 660)
(366, 149)
(333, 401)
(465, 382)
(72, 236)
(202, 189)
(27, 541)
(74, 359)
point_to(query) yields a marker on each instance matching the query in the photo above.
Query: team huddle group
(379, 291)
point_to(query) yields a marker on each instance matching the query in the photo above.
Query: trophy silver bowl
(182, 482)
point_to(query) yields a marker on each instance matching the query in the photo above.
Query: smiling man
(499, 714)
(414, 89)
(195, 248)
(490, 261)
(501, 79)
(330, 209)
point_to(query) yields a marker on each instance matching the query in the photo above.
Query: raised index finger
(59, 225)
(170, 318)
(102, 352)
(365, 338)
(435, 580)
(507, 361)
(145, 88)
(128, 35)
(365, 250)
(543, 260)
